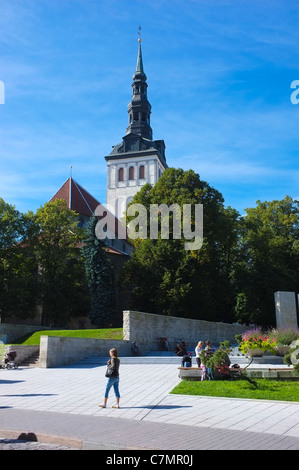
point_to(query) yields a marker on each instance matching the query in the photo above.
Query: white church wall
(120, 193)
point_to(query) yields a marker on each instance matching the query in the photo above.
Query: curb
(43, 438)
(91, 445)
(71, 442)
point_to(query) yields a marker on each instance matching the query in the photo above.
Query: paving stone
(59, 406)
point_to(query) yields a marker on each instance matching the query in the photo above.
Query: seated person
(180, 350)
(187, 361)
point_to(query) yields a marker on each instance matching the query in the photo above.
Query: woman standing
(198, 350)
(113, 378)
(209, 351)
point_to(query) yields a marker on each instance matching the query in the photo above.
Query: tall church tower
(138, 159)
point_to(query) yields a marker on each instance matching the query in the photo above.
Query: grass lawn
(266, 389)
(33, 339)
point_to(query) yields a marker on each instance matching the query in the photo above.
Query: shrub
(218, 360)
(284, 336)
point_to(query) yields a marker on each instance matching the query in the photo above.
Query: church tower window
(131, 173)
(141, 172)
(121, 174)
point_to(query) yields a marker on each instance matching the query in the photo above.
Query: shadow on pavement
(32, 395)
(11, 381)
(157, 407)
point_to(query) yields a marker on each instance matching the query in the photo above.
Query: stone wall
(57, 351)
(146, 328)
(16, 331)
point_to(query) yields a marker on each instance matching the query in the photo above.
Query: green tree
(63, 291)
(268, 259)
(99, 276)
(18, 282)
(167, 279)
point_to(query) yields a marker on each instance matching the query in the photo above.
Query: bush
(285, 336)
(219, 360)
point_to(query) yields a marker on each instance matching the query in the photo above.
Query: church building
(138, 159)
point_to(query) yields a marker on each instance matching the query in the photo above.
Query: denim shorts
(112, 382)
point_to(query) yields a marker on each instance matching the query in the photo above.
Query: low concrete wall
(146, 329)
(16, 331)
(57, 351)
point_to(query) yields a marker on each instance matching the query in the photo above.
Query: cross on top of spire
(139, 33)
(139, 67)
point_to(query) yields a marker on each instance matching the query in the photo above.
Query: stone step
(266, 359)
(135, 360)
(31, 361)
(170, 358)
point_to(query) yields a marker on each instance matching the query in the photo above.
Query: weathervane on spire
(139, 33)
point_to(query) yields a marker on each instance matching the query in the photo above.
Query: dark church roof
(139, 134)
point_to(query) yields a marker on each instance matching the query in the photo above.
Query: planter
(257, 352)
(282, 350)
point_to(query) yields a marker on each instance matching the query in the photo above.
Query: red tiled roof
(77, 198)
(80, 201)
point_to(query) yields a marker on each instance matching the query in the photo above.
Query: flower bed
(271, 341)
(256, 339)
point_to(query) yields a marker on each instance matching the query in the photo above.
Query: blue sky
(219, 75)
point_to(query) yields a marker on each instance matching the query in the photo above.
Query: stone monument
(286, 309)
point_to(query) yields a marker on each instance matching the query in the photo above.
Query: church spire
(139, 67)
(139, 108)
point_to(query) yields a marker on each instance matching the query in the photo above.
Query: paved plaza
(60, 406)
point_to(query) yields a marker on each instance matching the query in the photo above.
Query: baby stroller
(9, 360)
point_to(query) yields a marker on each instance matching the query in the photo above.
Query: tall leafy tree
(99, 276)
(268, 259)
(56, 246)
(18, 282)
(21, 288)
(167, 279)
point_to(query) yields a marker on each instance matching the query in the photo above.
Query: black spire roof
(139, 108)
(139, 134)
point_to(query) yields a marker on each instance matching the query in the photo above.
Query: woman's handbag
(109, 372)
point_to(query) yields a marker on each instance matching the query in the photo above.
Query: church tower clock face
(138, 159)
